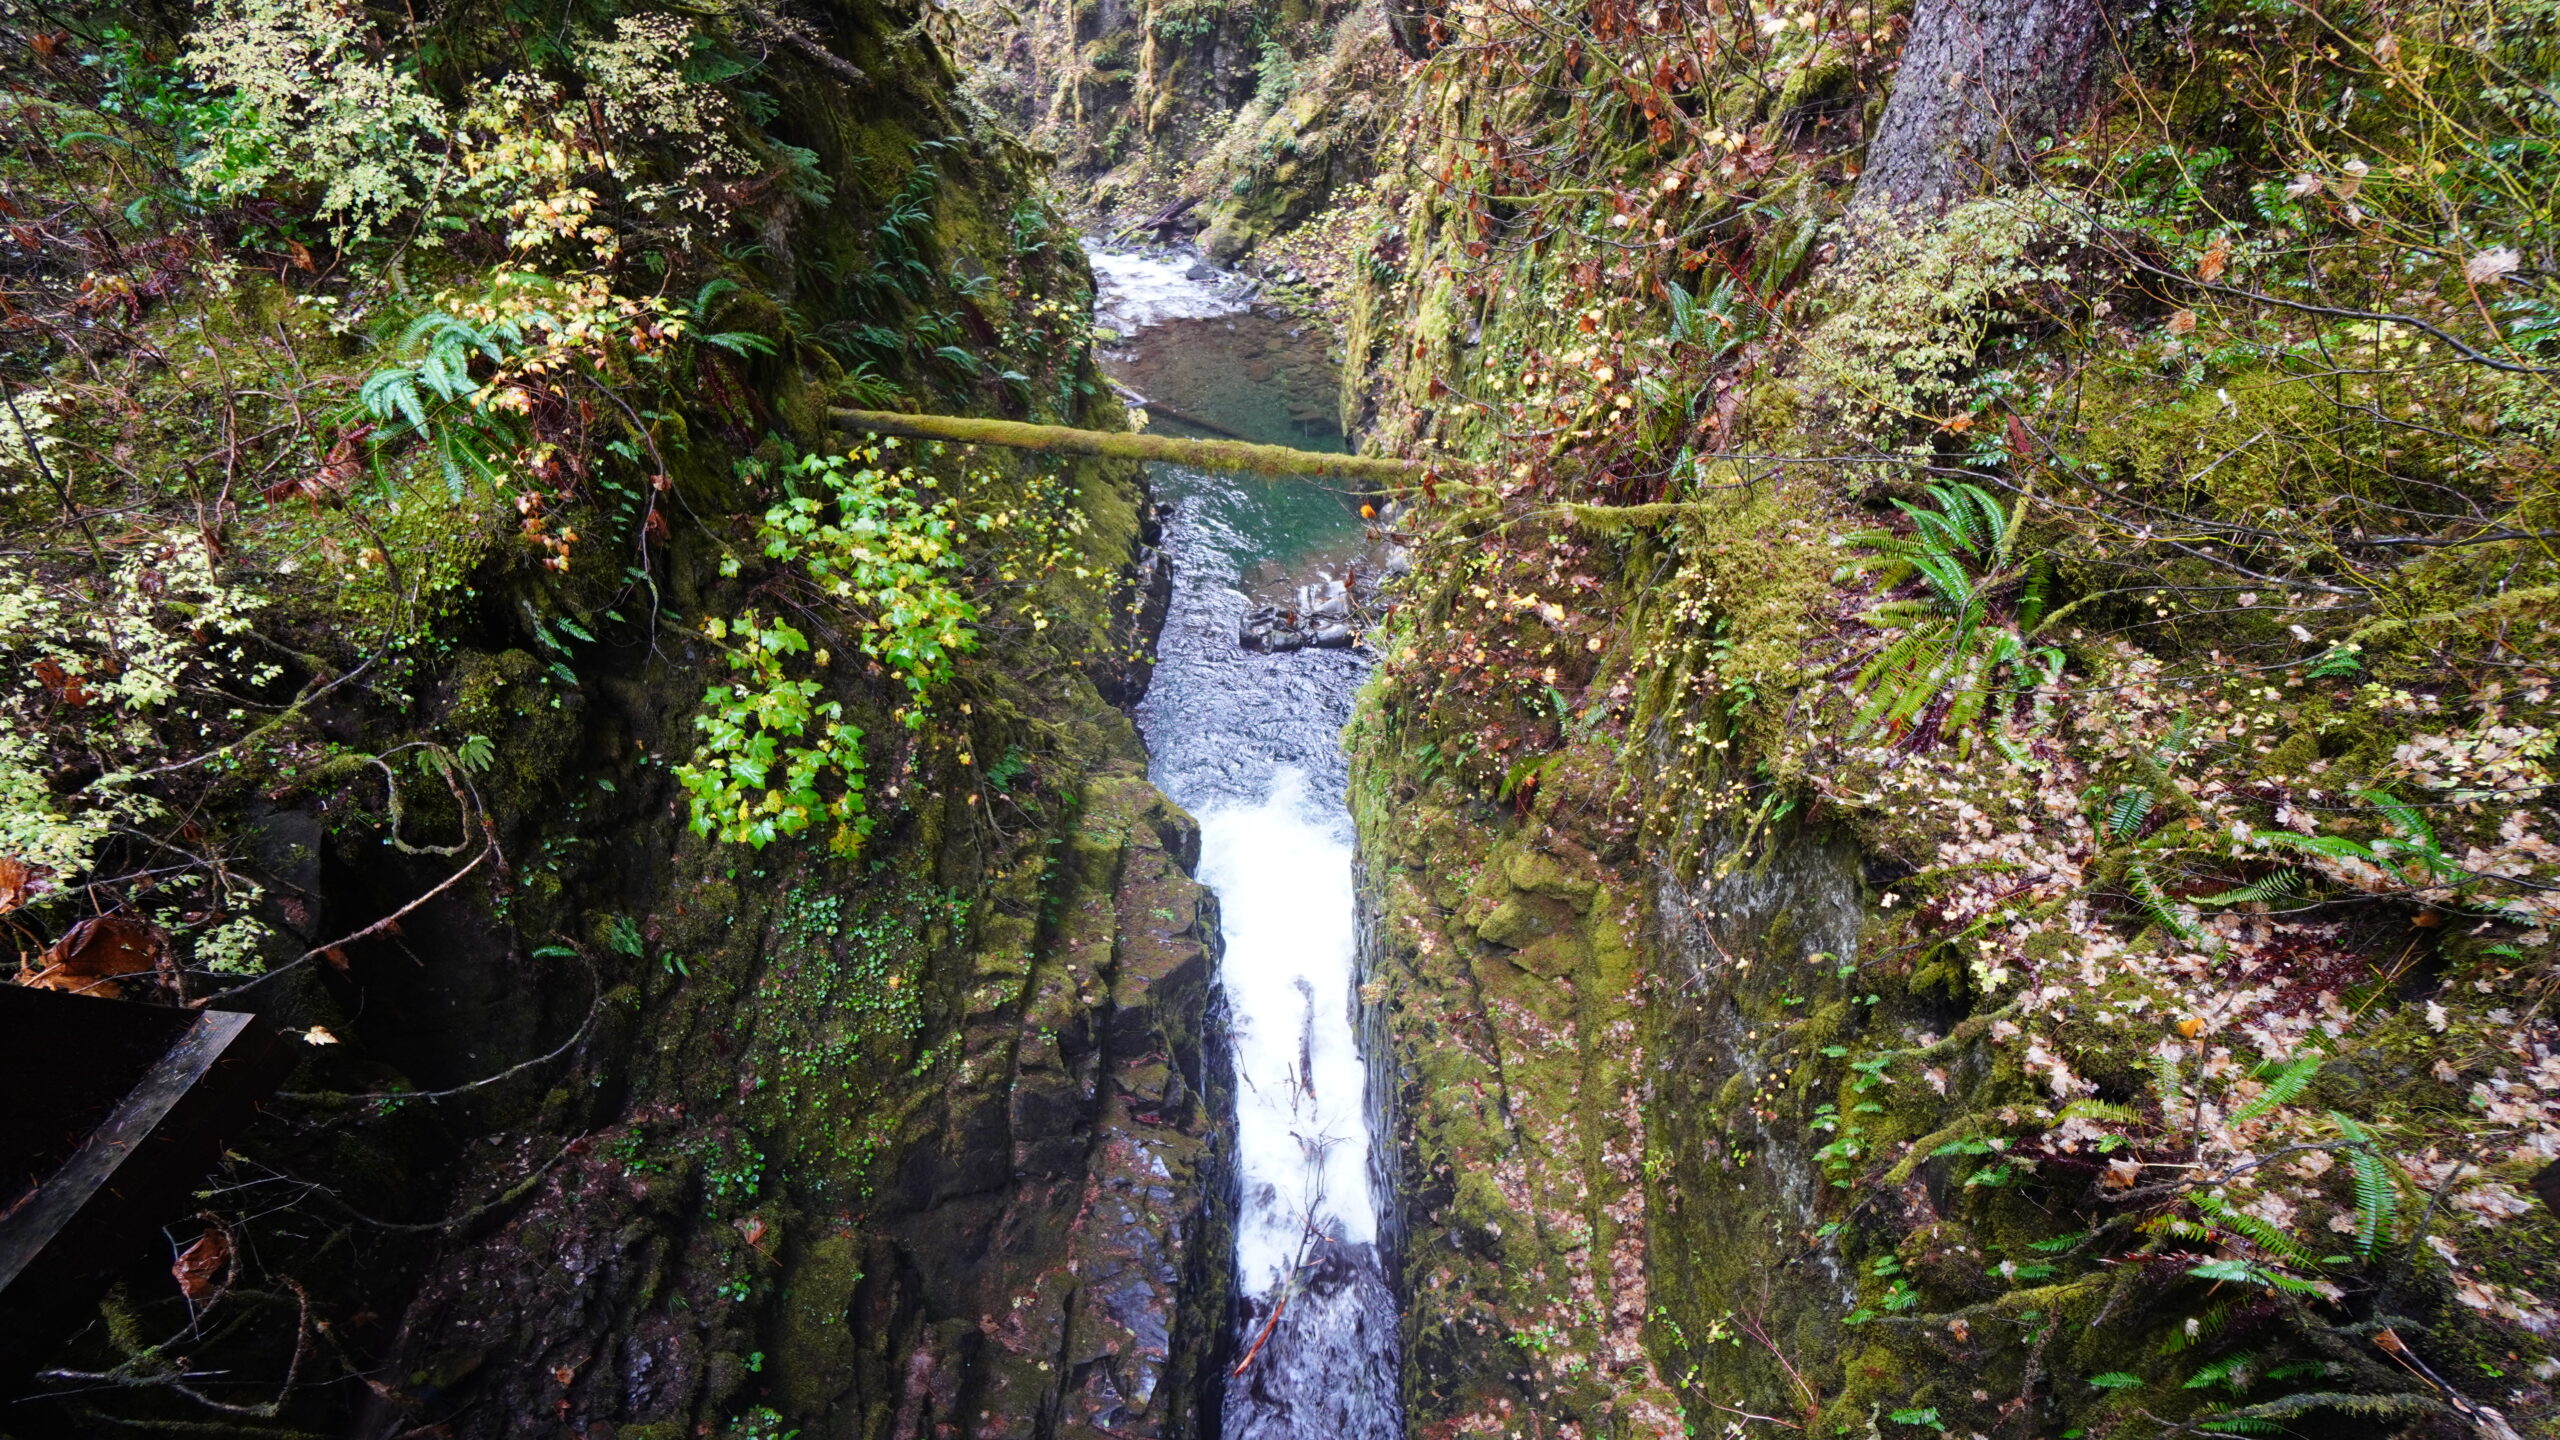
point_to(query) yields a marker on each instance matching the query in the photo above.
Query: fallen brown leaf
(20, 882)
(2216, 258)
(65, 686)
(200, 1267)
(97, 957)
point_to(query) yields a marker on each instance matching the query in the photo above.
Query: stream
(1250, 743)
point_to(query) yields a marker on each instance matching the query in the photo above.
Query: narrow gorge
(1872, 763)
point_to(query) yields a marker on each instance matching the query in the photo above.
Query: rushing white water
(1132, 292)
(1251, 744)
(1282, 870)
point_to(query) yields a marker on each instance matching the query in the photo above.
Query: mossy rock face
(1511, 1021)
(748, 1238)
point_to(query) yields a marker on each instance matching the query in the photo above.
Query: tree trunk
(1409, 24)
(1983, 85)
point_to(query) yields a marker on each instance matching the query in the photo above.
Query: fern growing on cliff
(430, 393)
(1952, 656)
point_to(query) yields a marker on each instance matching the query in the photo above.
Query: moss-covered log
(1122, 445)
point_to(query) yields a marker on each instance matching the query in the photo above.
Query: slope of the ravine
(1954, 820)
(745, 982)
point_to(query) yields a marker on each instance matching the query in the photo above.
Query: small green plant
(763, 1423)
(430, 394)
(622, 936)
(314, 104)
(741, 1175)
(775, 759)
(872, 543)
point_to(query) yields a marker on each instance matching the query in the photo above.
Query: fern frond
(2267, 1237)
(2100, 1110)
(2404, 817)
(2130, 810)
(2377, 1200)
(2157, 904)
(2282, 885)
(2289, 1082)
(741, 343)
(2222, 1372)
(1684, 314)
(2337, 847)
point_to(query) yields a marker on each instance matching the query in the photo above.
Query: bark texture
(1982, 84)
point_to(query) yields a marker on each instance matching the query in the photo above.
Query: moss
(1122, 445)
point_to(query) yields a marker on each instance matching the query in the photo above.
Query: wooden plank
(95, 1214)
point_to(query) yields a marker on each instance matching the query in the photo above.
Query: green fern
(2267, 1237)
(2377, 1188)
(2131, 808)
(2287, 1083)
(1949, 650)
(2164, 1082)
(2235, 1373)
(2282, 885)
(2157, 904)
(428, 397)
(867, 388)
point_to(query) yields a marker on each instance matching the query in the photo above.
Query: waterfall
(1251, 744)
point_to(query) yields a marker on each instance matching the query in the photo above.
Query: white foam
(1282, 870)
(1132, 292)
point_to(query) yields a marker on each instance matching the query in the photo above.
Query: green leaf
(2116, 1380)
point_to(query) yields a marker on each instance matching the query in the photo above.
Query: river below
(1251, 744)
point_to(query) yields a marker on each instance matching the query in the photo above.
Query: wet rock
(1061, 1196)
(1334, 637)
(1327, 1362)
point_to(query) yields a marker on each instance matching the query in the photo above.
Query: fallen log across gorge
(1125, 445)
